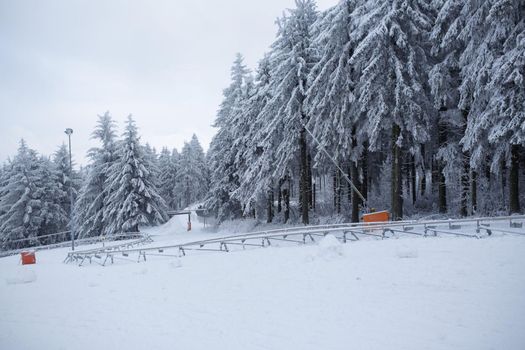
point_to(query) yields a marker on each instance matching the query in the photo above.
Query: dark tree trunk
(434, 176)
(291, 181)
(413, 179)
(356, 201)
(474, 191)
(465, 175)
(465, 185)
(286, 200)
(269, 212)
(314, 193)
(442, 186)
(354, 174)
(423, 173)
(514, 194)
(486, 168)
(339, 191)
(396, 188)
(279, 195)
(335, 190)
(349, 172)
(303, 182)
(364, 169)
(309, 177)
(442, 191)
(405, 166)
(503, 173)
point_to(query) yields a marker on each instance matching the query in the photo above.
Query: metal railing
(307, 234)
(78, 242)
(33, 242)
(129, 240)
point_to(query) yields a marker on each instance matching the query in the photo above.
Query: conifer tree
(250, 160)
(502, 121)
(221, 155)
(284, 114)
(29, 204)
(331, 93)
(89, 207)
(66, 180)
(192, 177)
(392, 97)
(168, 177)
(133, 199)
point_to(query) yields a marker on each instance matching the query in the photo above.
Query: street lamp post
(68, 132)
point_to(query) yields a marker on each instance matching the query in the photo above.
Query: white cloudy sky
(62, 62)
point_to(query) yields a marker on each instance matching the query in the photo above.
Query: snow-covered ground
(406, 293)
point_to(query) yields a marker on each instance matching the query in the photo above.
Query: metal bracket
(108, 256)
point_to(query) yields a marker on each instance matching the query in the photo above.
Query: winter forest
(420, 103)
(125, 185)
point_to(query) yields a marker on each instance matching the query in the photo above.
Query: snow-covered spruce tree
(221, 157)
(249, 145)
(488, 92)
(469, 30)
(132, 197)
(177, 197)
(57, 219)
(5, 173)
(467, 38)
(192, 176)
(168, 177)
(393, 65)
(29, 203)
(503, 118)
(284, 114)
(66, 180)
(16, 202)
(331, 101)
(153, 160)
(444, 80)
(89, 207)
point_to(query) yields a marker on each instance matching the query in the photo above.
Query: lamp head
(69, 131)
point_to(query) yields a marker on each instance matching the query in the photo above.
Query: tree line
(421, 102)
(125, 185)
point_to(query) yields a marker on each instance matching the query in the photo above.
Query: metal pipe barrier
(304, 235)
(143, 238)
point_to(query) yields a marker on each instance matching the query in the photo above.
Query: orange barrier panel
(378, 216)
(28, 258)
(189, 225)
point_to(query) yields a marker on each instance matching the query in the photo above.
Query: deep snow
(406, 293)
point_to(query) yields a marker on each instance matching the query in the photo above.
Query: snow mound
(405, 252)
(328, 248)
(22, 276)
(175, 264)
(177, 224)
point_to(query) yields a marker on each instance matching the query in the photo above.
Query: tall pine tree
(89, 207)
(132, 197)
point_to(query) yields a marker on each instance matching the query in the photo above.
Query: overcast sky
(166, 62)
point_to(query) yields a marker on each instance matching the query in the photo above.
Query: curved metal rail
(129, 240)
(143, 238)
(303, 235)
